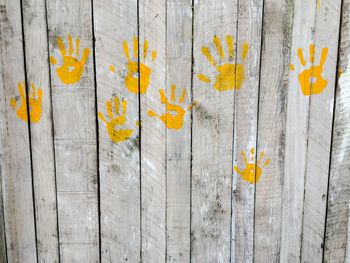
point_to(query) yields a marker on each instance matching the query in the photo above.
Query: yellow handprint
(131, 79)
(252, 172)
(72, 69)
(35, 101)
(230, 75)
(311, 80)
(174, 116)
(114, 121)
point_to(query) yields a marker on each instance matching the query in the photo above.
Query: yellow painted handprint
(116, 135)
(132, 78)
(230, 75)
(35, 103)
(311, 80)
(252, 172)
(174, 116)
(72, 69)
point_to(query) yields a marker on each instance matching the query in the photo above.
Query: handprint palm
(230, 75)
(35, 103)
(72, 69)
(311, 80)
(174, 116)
(252, 172)
(116, 135)
(132, 78)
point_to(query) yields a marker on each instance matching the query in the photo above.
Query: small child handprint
(35, 103)
(310, 79)
(72, 69)
(132, 79)
(174, 116)
(252, 172)
(230, 75)
(116, 135)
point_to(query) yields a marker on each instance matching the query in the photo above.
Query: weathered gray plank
(35, 35)
(74, 116)
(179, 56)
(337, 226)
(319, 133)
(245, 127)
(115, 23)
(16, 167)
(212, 166)
(275, 60)
(153, 132)
(296, 136)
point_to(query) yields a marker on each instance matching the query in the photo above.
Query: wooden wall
(175, 131)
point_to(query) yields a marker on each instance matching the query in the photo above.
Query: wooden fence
(175, 131)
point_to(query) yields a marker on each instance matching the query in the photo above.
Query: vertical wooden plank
(179, 56)
(337, 226)
(275, 59)
(296, 136)
(152, 28)
(73, 99)
(16, 167)
(245, 127)
(115, 23)
(320, 133)
(212, 132)
(36, 52)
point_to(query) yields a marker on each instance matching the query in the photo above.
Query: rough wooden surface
(275, 59)
(179, 55)
(74, 118)
(212, 166)
(152, 27)
(37, 67)
(16, 172)
(115, 21)
(337, 226)
(108, 155)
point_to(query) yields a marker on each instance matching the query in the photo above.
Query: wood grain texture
(74, 119)
(337, 225)
(37, 67)
(115, 21)
(245, 128)
(212, 137)
(152, 27)
(319, 134)
(179, 56)
(275, 58)
(296, 136)
(16, 166)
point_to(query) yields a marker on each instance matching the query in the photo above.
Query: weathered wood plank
(152, 15)
(337, 226)
(115, 23)
(16, 167)
(212, 145)
(245, 127)
(296, 136)
(37, 67)
(275, 59)
(74, 116)
(179, 56)
(320, 132)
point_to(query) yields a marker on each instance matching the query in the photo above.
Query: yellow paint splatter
(115, 120)
(71, 71)
(230, 75)
(318, 5)
(252, 172)
(174, 116)
(132, 77)
(310, 79)
(35, 103)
